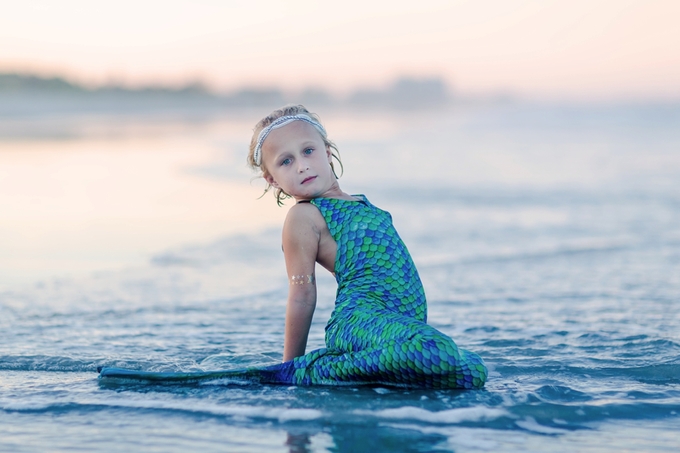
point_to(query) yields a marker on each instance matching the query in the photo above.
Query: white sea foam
(23, 405)
(530, 424)
(451, 416)
(282, 414)
(458, 437)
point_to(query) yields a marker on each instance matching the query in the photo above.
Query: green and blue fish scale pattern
(377, 333)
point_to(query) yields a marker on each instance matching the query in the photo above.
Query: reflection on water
(86, 194)
(77, 206)
(83, 194)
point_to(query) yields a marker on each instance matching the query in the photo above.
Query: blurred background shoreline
(26, 96)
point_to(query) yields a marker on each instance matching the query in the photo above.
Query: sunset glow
(601, 49)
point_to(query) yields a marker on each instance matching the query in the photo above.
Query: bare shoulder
(306, 237)
(303, 216)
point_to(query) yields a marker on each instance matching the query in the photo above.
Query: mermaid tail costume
(377, 334)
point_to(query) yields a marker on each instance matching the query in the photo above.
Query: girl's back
(372, 263)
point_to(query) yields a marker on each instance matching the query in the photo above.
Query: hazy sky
(584, 49)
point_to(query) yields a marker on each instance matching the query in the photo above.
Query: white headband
(280, 122)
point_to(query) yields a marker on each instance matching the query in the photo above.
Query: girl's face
(297, 161)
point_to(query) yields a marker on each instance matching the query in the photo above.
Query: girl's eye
(308, 151)
(286, 161)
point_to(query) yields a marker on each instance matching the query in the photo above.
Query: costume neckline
(360, 198)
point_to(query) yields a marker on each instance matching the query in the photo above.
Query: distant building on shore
(405, 93)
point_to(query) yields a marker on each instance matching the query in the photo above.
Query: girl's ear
(329, 154)
(270, 180)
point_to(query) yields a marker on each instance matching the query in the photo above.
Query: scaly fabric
(377, 333)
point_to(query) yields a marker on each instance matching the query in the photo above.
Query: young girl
(377, 333)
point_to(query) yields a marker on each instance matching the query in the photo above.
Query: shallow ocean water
(548, 241)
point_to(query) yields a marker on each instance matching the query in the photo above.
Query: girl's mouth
(306, 180)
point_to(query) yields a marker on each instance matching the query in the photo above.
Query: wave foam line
(45, 363)
(282, 414)
(450, 416)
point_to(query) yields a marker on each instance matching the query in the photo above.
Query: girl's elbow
(303, 298)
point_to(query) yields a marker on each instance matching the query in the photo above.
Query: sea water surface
(547, 238)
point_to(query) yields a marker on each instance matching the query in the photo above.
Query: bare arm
(300, 246)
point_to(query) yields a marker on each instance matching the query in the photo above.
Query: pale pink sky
(567, 49)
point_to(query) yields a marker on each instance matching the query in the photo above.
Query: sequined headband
(280, 122)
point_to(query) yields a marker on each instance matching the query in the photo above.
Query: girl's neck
(333, 192)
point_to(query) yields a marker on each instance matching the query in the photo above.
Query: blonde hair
(288, 110)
